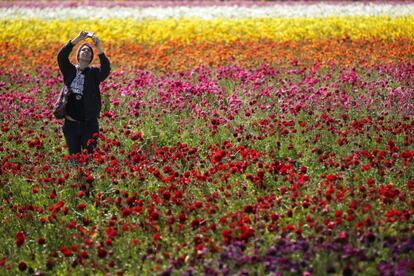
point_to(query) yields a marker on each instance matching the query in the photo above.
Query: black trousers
(80, 135)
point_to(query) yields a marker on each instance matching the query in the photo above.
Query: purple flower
(188, 272)
(349, 251)
(403, 266)
(384, 268)
(209, 271)
(166, 272)
(330, 269)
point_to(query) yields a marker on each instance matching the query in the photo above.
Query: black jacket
(93, 77)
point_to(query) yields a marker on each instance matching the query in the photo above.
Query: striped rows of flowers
(172, 44)
(229, 145)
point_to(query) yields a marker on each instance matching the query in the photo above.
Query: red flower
(182, 217)
(90, 179)
(90, 142)
(82, 206)
(154, 215)
(226, 233)
(410, 185)
(198, 204)
(66, 252)
(52, 195)
(331, 177)
(20, 237)
(41, 240)
(365, 167)
(101, 252)
(274, 216)
(22, 266)
(83, 255)
(248, 209)
(218, 156)
(195, 223)
(137, 136)
(111, 232)
(125, 227)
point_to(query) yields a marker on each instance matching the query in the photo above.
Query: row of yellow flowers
(36, 32)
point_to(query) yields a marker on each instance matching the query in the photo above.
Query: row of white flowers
(276, 10)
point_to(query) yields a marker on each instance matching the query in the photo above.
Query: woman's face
(85, 54)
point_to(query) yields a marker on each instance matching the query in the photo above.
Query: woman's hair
(79, 49)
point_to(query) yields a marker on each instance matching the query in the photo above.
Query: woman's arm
(63, 55)
(105, 69)
(63, 58)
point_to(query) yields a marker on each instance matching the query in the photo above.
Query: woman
(84, 104)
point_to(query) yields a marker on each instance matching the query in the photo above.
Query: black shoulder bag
(59, 108)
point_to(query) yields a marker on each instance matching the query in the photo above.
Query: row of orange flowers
(176, 56)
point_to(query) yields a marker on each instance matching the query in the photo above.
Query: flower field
(236, 138)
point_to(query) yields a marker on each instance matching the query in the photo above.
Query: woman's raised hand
(97, 43)
(81, 36)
